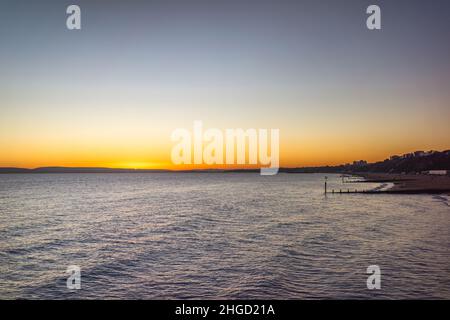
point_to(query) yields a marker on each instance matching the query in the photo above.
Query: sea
(217, 235)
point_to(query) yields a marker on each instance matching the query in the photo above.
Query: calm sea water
(201, 235)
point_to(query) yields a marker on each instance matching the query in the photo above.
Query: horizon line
(245, 167)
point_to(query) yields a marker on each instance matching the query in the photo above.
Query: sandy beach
(411, 183)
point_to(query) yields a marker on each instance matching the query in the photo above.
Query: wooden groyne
(391, 191)
(402, 184)
(353, 191)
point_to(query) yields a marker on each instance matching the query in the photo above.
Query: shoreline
(409, 183)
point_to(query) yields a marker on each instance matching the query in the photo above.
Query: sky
(112, 93)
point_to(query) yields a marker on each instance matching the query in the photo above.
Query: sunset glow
(100, 97)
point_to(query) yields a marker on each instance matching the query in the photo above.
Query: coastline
(410, 183)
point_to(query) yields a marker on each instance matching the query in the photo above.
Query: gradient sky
(112, 93)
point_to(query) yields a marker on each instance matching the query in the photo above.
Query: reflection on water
(199, 235)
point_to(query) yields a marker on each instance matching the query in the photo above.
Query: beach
(411, 183)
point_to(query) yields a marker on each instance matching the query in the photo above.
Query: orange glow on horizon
(290, 156)
(136, 147)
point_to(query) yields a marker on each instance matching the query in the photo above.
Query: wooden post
(326, 185)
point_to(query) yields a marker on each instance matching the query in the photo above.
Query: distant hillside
(72, 170)
(418, 161)
(107, 170)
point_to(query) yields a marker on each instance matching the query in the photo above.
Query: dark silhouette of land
(411, 163)
(74, 170)
(411, 183)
